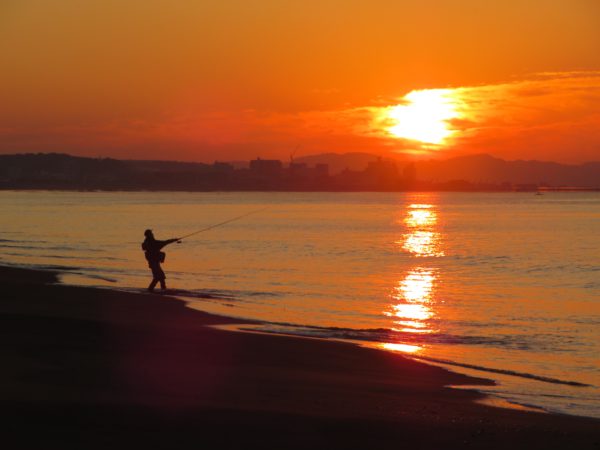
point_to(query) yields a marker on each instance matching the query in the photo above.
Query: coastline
(97, 368)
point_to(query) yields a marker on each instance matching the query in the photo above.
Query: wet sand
(99, 369)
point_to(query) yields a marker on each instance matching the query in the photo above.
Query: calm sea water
(505, 286)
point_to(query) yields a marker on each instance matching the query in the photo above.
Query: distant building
(222, 167)
(381, 174)
(299, 169)
(266, 166)
(409, 173)
(382, 168)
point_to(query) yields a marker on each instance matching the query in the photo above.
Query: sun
(424, 116)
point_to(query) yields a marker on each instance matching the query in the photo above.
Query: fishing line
(222, 223)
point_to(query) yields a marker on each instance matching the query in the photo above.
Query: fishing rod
(222, 223)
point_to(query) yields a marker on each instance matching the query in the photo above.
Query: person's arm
(167, 242)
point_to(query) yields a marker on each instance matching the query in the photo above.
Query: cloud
(553, 116)
(550, 116)
(547, 116)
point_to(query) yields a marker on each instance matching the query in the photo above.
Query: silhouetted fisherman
(154, 256)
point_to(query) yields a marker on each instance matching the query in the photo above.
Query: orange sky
(199, 80)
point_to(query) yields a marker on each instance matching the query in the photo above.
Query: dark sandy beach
(99, 369)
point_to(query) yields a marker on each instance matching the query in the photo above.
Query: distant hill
(488, 169)
(481, 168)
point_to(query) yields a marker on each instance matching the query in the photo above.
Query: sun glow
(424, 116)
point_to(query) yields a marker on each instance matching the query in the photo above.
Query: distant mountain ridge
(488, 169)
(479, 168)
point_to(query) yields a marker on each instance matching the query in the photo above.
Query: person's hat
(148, 233)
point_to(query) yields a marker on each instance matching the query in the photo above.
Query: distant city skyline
(232, 80)
(320, 173)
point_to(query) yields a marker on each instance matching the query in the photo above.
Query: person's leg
(153, 284)
(157, 276)
(160, 274)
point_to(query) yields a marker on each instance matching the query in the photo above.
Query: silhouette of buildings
(60, 171)
(266, 167)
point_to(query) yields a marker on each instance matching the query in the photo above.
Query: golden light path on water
(413, 298)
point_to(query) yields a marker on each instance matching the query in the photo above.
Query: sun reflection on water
(405, 348)
(422, 238)
(417, 285)
(412, 306)
(412, 300)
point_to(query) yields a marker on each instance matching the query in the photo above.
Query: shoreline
(81, 362)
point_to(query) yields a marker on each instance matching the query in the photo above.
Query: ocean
(498, 285)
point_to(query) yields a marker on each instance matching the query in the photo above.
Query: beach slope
(98, 369)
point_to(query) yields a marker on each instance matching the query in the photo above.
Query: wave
(513, 373)
(221, 294)
(49, 267)
(60, 248)
(393, 336)
(93, 276)
(203, 294)
(69, 257)
(368, 335)
(181, 293)
(27, 241)
(384, 335)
